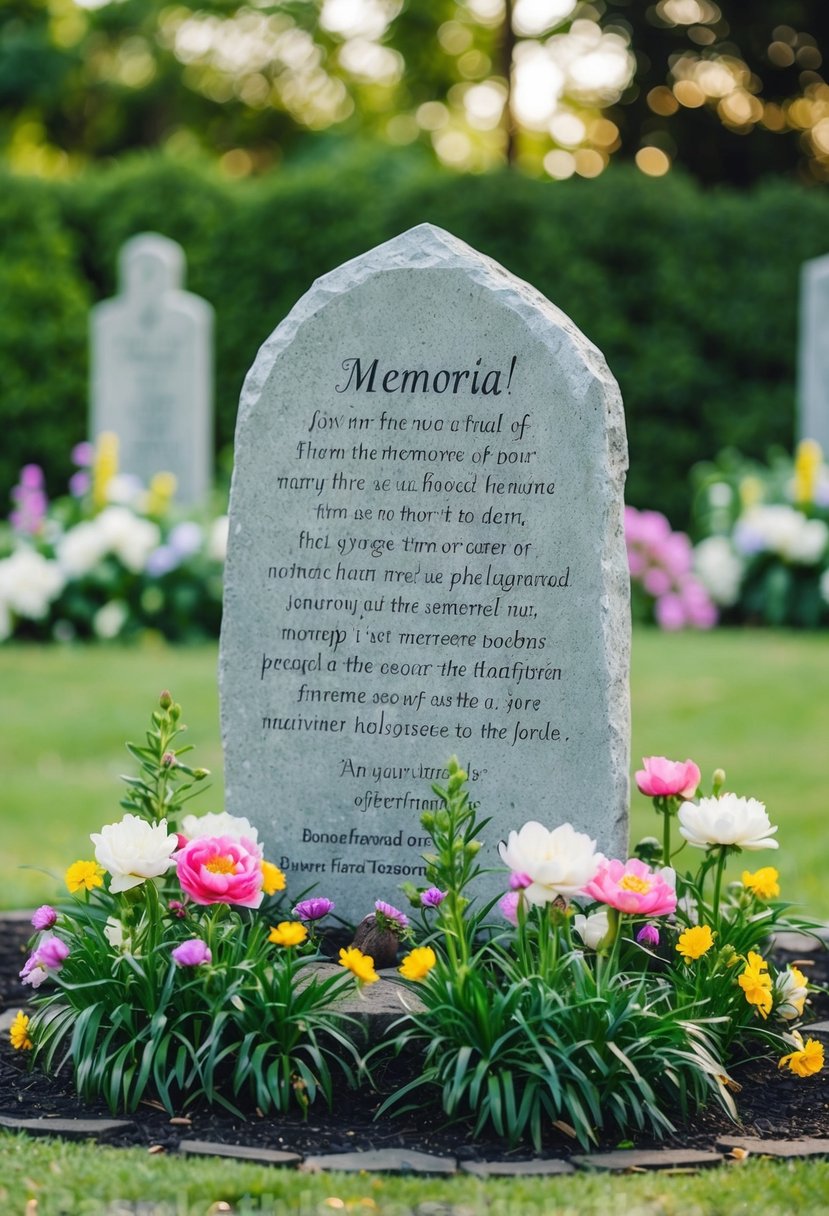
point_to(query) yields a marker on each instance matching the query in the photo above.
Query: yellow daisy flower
(86, 874)
(807, 1060)
(360, 965)
(273, 879)
(695, 942)
(288, 933)
(19, 1032)
(418, 963)
(763, 882)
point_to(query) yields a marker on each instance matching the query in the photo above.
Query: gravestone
(813, 360)
(152, 378)
(425, 558)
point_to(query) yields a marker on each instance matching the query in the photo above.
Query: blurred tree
(730, 90)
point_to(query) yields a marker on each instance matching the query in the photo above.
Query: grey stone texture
(808, 1146)
(620, 1160)
(813, 352)
(426, 558)
(152, 369)
(375, 1008)
(381, 1161)
(517, 1169)
(239, 1152)
(71, 1129)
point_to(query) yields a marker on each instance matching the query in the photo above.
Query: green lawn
(86, 1180)
(753, 703)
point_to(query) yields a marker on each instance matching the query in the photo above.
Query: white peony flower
(130, 538)
(133, 850)
(591, 929)
(558, 862)
(790, 994)
(114, 932)
(784, 531)
(29, 582)
(217, 540)
(218, 823)
(82, 548)
(719, 569)
(727, 820)
(110, 619)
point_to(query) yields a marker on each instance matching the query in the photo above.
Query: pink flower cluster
(660, 562)
(221, 870)
(30, 502)
(633, 888)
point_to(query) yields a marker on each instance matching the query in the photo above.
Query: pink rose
(221, 870)
(634, 888)
(663, 778)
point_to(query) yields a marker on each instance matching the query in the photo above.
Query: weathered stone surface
(381, 1161)
(813, 360)
(801, 943)
(819, 1028)
(376, 1007)
(70, 1129)
(517, 1169)
(647, 1159)
(8, 1016)
(152, 377)
(239, 1152)
(808, 1146)
(425, 557)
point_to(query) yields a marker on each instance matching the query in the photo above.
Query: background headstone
(152, 369)
(813, 360)
(425, 558)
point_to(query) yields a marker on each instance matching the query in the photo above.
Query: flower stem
(715, 905)
(666, 834)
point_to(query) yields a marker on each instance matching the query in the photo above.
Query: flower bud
(165, 700)
(718, 780)
(168, 759)
(199, 774)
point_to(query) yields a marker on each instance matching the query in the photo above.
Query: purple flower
(670, 613)
(391, 913)
(314, 909)
(83, 454)
(161, 561)
(648, 935)
(31, 477)
(432, 898)
(49, 955)
(176, 908)
(79, 483)
(508, 905)
(185, 539)
(44, 917)
(191, 953)
(519, 881)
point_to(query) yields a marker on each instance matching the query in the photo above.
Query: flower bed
(602, 996)
(110, 560)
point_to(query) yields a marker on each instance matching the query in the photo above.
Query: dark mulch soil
(772, 1104)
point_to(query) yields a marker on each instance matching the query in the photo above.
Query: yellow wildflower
(87, 874)
(695, 942)
(360, 965)
(763, 882)
(751, 492)
(160, 494)
(19, 1032)
(104, 467)
(288, 933)
(418, 963)
(273, 879)
(806, 1060)
(756, 983)
(807, 461)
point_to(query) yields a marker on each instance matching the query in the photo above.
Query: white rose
(727, 820)
(719, 569)
(133, 850)
(218, 823)
(591, 929)
(558, 862)
(29, 582)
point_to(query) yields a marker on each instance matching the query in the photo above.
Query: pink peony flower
(49, 956)
(221, 870)
(314, 909)
(634, 888)
(44, 917)
(519, 881)
(661, 778)
(508, 905)
(191, 953)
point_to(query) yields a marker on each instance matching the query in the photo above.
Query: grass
(752, 703)
(87, 1180)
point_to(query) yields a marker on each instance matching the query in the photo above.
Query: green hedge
(691, 295)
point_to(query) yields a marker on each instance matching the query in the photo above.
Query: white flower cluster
(719, 569)
(117, 530)
(29, 582)
(784, 531)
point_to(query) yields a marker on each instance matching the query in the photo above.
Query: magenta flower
(49, 956)
(221, 870)
(432, 898)
(176, 908)
(670, 614)
(391, 913)
(661, 778)
(634, 888)
(508, 906)
(192, 953)
(314, 909)
(44, 917)
(519, 881)
(648, 935)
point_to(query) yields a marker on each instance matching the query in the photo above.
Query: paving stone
(70, 1129)
(801, 943)
(656, 1159)
(517, 1169)
(239, 1152)
(807, 1147)
(819, 1028)
(8, 1016)
(382, 1160)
